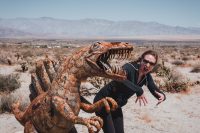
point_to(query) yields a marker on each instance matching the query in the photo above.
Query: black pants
(113, 121)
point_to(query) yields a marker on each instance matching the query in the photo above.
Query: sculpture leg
(64, 109)
(29, 128)
(18, 113)
(24, 116)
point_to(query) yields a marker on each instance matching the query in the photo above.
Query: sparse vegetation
(173, 85)
(178, 62)
(163, 71)
(196, 69)
(186, 58)
(98, 83)
(7, 99)
(9, 83)
(173, 81)
(27, 53)
(5, 103)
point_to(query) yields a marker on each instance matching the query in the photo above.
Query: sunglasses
(151, 63)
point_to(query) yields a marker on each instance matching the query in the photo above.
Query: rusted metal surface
(55, 95)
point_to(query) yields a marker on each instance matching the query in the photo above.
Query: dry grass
(162, 70)
(186, 58)
(196, 69)
(5, 103)
(178, 62)
(175, 82)
(7, 99)
(171, 80)
(9, 83)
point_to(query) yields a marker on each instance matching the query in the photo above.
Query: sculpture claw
(96, 122)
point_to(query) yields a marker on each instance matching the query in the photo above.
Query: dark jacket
(122, 90)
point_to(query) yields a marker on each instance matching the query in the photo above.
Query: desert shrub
(39, 52)
(186, 58)
(175, 86)
(9, 83)
(44, 46)
(32, 70)
(196, 69)
(27, 53)
(99, 82)
(23, 67)
(173, 56)
(7, 57)
(163, 71)
(60, 52)
(5, 103)
(96, 84)
(178, 62)
(7, 100)
(173, 81)
(3, 60)
(87, 89)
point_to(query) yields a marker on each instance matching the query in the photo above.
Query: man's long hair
(148, 52)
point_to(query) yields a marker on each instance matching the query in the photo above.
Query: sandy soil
(180, 113)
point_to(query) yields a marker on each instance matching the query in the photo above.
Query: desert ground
(180, 60)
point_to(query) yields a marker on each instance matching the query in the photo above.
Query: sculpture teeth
(119, 54)
(111, 54)
(106, 66)
(115, 69)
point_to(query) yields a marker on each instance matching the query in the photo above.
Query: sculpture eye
(96, 46)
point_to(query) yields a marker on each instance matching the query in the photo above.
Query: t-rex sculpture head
(86, 62)
(95, 59)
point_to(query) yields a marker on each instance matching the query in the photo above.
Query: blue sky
(171, 12)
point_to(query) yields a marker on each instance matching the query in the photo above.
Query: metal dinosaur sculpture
(56, 107)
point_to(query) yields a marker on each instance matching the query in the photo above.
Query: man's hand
(161, 98)
(141, 99)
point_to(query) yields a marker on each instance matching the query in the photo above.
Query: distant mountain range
(51, 27)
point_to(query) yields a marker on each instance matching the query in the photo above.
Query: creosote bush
(99, 82)
(178, 62)
(7, 100)
(27, 53)
(5, 103)
(9, 83)
(163, 71)
(174, 86)
(196, 69)
(173, 81)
